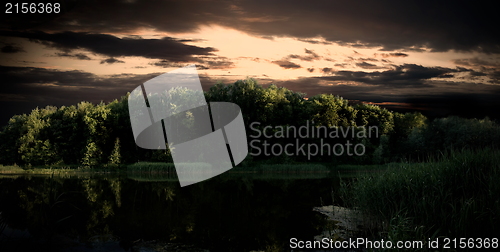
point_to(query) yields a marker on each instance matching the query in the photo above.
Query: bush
(453, 133)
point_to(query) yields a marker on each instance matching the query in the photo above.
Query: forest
(89, 135)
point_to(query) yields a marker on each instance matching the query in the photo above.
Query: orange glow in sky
(251, 56)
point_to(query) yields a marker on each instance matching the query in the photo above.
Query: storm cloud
(391, 25)
(286, 64)
(400, 76)
(12, 48)
(112, 46)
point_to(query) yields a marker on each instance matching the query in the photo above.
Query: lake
(120, 212)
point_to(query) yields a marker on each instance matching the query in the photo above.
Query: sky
(440, 58)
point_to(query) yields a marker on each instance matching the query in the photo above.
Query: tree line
(92, 135)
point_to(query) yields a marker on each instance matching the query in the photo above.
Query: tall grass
(291, 168)
(346, 167)
(455, 196)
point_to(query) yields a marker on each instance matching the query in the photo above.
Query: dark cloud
(476, 74)
(166, 63)
(477, 62)
(310, 56)
(267, 37)
(286, 64)
(310, 70)
(407, 75)
(20, 79)
(368, 59)
(23, 84)
(367, 65)
(309, 51)
(495, 77)
(124, 16)
(326, 70)
(312, 41)
(250, 58)
(28, 62)
(397, 54)
(482, 67)
(202, 63)
(392, 24)
(111, 61)
(79, 56)
(12, 48)
(215, 62)
(164, 48)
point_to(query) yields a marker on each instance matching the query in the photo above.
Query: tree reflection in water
(221, 214)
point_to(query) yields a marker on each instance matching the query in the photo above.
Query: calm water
(232, 212)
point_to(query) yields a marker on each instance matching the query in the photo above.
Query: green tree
(9, 139)
(92, 155)
(329, 110)
(35, 147)
(115, 157)
(372, 115)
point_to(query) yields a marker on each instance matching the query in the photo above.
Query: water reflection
(227, 213)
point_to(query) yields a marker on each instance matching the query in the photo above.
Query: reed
(455, 195)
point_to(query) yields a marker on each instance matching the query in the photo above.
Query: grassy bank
(455, 196)
(11, 169)
(158, 168)
(151, 167)
(57, 169)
